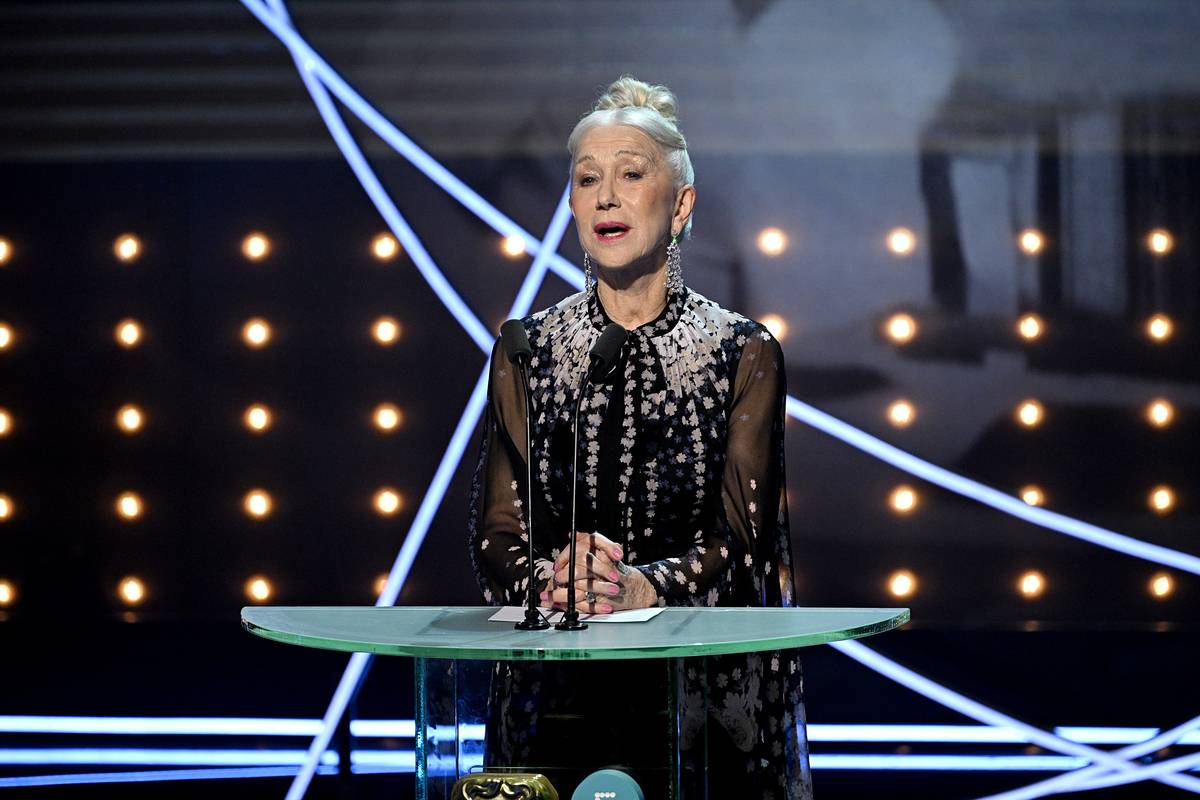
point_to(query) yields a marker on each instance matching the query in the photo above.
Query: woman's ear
(685, 201)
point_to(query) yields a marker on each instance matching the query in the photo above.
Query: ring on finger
(590, 597)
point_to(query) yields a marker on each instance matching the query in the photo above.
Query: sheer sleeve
(497, 531)
(751, 536)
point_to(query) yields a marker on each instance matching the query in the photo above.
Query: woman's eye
(586, 180)
(633, 175)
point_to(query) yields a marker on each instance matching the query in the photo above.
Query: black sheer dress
(682, 464)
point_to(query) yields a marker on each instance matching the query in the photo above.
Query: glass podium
(460, 656)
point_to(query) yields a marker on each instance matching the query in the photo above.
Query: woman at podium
(681, 492)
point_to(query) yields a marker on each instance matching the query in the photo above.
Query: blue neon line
(987, 495)
(149, 776)
(167, 757)
(955, 763)
(977, 711)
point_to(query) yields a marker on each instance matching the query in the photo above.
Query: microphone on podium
(516, 346)
(601, 358)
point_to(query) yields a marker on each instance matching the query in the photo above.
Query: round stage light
(1160, 413)
(259, 589)
(387, 502)
(6, 251)
(127, 247)
(386, 330)
(1031, 413)
(772, 241)
(1161, 585)
(129, 506)
(1160, 241)
(901, 241)
(8, 593)
(387, 417)
(257, 418)
(902, 413)
(256, 332)
(385, 247)
(128, 333)
(1030, 326)
(6, 507)
(1033, 495)
(380, 584)
(6, 336)
(1032, 584)
(903, 499)
(131, 590)
(900, 328)
(775, 324)
(6, 423)
(257, 503)
(512, 246)
(129, 418)
(1031, 241)
(902, 583)
(256, 246)
(1162, 499)
(1159, 327)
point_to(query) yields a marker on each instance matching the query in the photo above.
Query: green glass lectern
(455, 648)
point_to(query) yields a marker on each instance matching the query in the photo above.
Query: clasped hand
(603, 582)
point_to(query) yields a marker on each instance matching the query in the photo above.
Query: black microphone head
(608, 346)
(515, 341)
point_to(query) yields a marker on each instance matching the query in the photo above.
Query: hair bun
(628, 92)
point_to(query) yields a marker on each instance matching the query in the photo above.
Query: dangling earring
(674, 267)
(588, 279)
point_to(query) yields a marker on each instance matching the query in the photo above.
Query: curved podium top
(466, 633)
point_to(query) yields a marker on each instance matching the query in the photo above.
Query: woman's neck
(636, 304)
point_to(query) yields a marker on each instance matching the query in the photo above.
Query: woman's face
(625, 206)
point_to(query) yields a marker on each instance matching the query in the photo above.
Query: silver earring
(674, 267)
(588, 279)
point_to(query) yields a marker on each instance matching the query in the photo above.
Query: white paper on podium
(517, 613)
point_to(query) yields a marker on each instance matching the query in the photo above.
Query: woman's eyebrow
(634, 153)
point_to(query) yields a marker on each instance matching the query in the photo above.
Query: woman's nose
(606, 197)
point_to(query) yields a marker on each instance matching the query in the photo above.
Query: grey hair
(650, 109)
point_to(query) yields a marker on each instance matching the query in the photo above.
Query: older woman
(681, 483)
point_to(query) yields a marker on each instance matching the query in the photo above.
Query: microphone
(516, 346)
(601, 359)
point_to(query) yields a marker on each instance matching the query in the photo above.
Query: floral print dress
(681, 462)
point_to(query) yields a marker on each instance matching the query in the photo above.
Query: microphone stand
(533, 621)
(570, 620)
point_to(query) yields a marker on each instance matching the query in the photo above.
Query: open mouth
(611, 230)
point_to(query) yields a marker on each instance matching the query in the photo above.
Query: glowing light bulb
(387, 417)
(387, 502)
(6, 423)
(380, 583)
(772, 242)
(257, 503)
(259, 589)
(1031, 241)
(902, 413)
(902, 583)
(127, 247)
(1032, 583)
(385, 247)
(1030, 326)
(1031, 413)
(8, 593)
(256, 333)
(1159, 327)
(901, 328)
(775, 324)
(128, 333)
(903, 499)
(131, 590)
(256, 246)
(1160, 241)
(901, 241)
(1161, 585)
(512, 246)
(1162, 499)
(1160, 413)
(386, 330)
(6, 336)
(5, 251)
(6, 507)
(1033, 495)
(129, 418)
(257, 418)
(129, 505)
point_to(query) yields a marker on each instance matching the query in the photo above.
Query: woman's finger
(588, 566)
(584, 603)
(599, 543)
